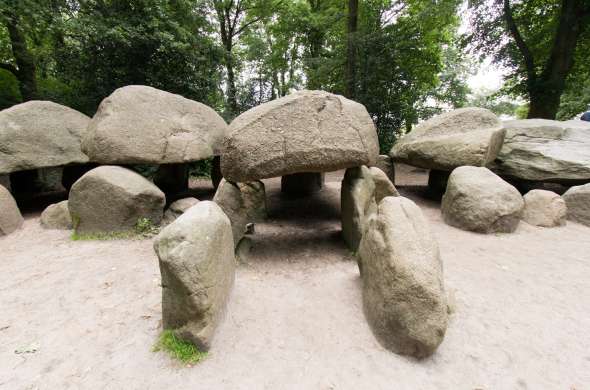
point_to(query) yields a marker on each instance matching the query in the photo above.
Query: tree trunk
(25, 62)
(351, 49)
(232, 100)
(544, 104)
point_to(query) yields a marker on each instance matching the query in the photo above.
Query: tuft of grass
(182, 350)
(144, 228)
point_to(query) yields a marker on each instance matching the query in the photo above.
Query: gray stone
(143, 125)
(544, 208)
(577, 200)
(114, 199)
(197, 264)
(404, 298)
(243, 203)
(177, 208)
(478, 200)
(385, 163)
(466, 136)
(307, 131)
(10, 216)
(383, 186)
(301, 184)
(40, 134)
(542, 150)
(357, 199)
(57, 216)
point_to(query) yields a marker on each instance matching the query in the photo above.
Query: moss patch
(182, 350)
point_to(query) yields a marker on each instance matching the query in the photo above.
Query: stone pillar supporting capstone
(301, 184)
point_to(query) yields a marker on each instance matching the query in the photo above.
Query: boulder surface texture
(544, 208)
(138, 124)
(243, 203)
(307, 131)
(577, 200)
(177, 208)
(10, 216)
(57, 216)
(114, 199)
(403, 292)
(478, 200)
(40, 134)
(544, 150)
(466, 136)
(385, 163)
(197, 264)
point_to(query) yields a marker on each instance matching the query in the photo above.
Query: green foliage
(494, 101)
(179, 349)
(575, 100)
(201, 168)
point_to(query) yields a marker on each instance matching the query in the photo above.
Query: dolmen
(466, 136)
(143, 125)
(41, 139)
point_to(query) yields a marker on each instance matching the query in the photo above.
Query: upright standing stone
(357, 199)
(478, 200)
(196, 257)
(10, 216)
(243, 203)
(403, 292)
(577, 200)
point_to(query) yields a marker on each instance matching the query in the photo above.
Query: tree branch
(520, 43)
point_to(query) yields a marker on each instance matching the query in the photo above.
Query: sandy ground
(92, 310)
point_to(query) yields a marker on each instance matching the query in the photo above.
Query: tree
(234, 17)
(538, 40)
(353, 6)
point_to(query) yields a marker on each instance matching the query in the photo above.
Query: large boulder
(10, 216)
(57, 216)
(361, 190)
(196, 256)
(544, 208)
(307, 131)
(478, 200)
(403, 292)
(466, 136)
(39, 134)
(243, 203)
(138, 124)
(177, 208)
(544, 150)
(114, 199)
(577, 200)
